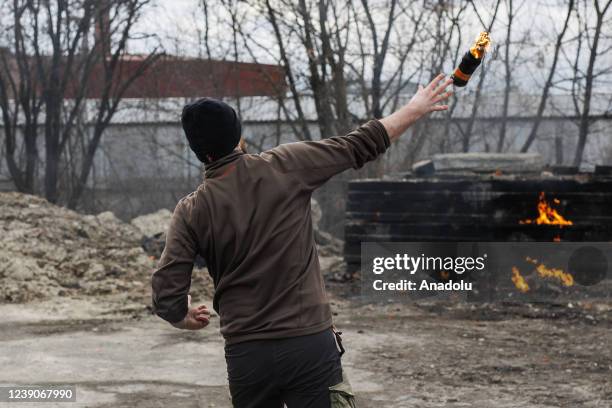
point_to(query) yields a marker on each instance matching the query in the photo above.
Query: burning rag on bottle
(471, 60)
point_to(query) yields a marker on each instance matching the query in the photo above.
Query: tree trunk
(585, 121)
(543, 99)
(467, 135)
(317, 81)
(508, 78)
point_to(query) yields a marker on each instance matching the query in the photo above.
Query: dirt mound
(154, 224)
(153, 228)
(48, 251)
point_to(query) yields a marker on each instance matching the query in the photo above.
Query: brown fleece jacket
(251, 221)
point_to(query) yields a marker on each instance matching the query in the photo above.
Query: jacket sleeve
(172, 279)
(313, 163)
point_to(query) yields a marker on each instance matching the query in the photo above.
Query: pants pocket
(341, 395)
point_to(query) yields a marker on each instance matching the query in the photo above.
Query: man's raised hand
(426, 100)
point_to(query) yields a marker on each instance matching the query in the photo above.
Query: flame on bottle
(481, 45)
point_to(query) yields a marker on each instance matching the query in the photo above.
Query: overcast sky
(171, 19)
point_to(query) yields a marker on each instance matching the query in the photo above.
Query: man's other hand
(197, 317)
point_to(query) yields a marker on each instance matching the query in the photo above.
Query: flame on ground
(547, 215)
(518, 280)
(555, 273)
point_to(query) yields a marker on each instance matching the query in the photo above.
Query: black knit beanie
(212, 128)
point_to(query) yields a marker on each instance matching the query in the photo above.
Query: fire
(545, 272)
(481, 45)
(547, 214)
(518, 280)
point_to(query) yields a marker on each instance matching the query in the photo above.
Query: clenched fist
(197, 317)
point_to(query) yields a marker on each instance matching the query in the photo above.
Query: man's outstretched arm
(313, 163)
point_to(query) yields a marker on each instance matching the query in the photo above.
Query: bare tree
(446, 21)
(49, 74)
(317, 68)
(20, 103)
(378, 43)
(116, 31)
(601, 9)
(549, 80)
(380, 52)
(350, 60)
(270, 12)
(507, 75)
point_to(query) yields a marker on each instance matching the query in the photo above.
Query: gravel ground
(423, 355)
